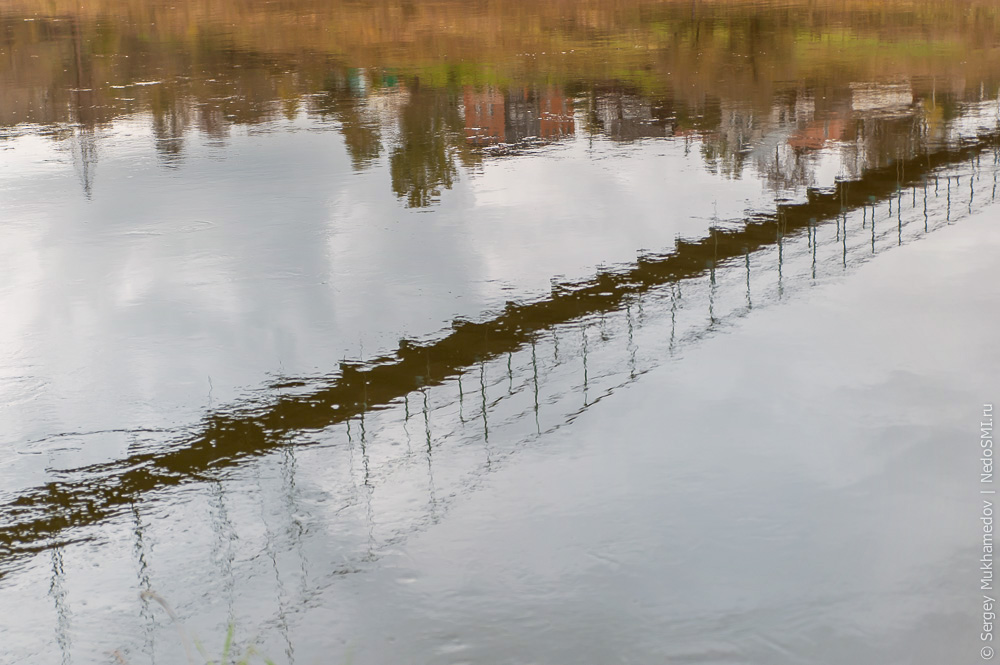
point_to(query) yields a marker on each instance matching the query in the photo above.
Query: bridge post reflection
(730, 273)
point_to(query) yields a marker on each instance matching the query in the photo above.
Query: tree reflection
(429, 85)
(346, 102)
(423, 161)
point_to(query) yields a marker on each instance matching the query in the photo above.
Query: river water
(448, 332)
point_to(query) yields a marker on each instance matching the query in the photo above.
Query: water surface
(447, 332)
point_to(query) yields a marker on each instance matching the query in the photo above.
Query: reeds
(192, 643)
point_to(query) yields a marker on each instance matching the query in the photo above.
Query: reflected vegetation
(435, 87)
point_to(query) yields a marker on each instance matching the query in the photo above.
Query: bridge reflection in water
(379, 449)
